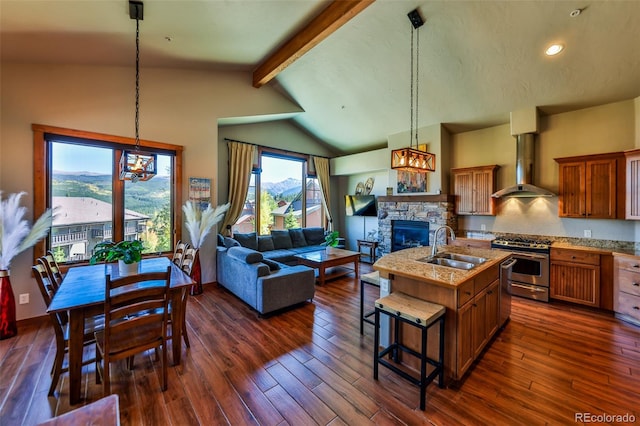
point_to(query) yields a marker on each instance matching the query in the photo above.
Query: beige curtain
(322, 171)
(240, 164)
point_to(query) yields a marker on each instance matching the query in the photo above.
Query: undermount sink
(462, 257)
(454, 260)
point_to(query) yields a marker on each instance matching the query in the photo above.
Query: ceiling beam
(338, 13)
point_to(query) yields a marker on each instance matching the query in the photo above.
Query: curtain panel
(240, 165)
(322, 171)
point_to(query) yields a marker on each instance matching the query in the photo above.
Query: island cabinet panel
(592, 186)
(472, 187)
(575, 276)
(626, 293)
(632, 208)
(471, 318)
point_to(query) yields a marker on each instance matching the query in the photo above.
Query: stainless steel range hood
(526, 119)
(524, 172)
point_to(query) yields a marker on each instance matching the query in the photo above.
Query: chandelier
(414, 159)
(136, 165)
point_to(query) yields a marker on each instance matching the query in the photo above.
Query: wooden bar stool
(373, 279)
(418, 313)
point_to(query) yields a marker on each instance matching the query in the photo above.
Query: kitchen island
(471, 297)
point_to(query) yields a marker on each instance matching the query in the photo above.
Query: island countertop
(405, 263)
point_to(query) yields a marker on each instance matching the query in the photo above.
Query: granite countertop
(599, 250)
(405, 263)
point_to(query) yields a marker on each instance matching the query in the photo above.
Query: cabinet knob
(467, 293)
(636, 266)
(635, 284)
(490, 292)
(573, 257)
(635, 307)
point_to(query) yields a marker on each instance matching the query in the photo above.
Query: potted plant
(127, 253)
(331, 239)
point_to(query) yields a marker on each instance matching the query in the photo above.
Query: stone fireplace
(437, 210)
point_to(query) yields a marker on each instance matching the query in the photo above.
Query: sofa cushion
(297, 237)
(220, 240)
(265, 243)
(281, 239)
(314, 236)
(247, 240)
(230, 242)
(245, 254)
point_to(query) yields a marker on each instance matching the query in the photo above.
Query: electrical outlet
(384, 285)
(24, 298)
(587, 233)
(483, 227)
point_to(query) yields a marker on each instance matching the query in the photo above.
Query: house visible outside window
(289, 198)
(90, 202)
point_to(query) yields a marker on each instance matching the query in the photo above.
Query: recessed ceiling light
(554, 49)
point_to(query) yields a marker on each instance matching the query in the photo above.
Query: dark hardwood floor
(310, 366)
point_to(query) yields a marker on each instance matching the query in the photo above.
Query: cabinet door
(463, 189)
(483, 188)
(465, 352)
(575, 282)
(493, 308)
(572, 187)
(632, 206)
(480, 331)
(601, 189)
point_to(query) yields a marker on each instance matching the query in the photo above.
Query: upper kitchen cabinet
(592, 186)
(632, 210)
(472, 187)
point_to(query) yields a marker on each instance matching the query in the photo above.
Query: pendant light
(413, 159)
(136, 165)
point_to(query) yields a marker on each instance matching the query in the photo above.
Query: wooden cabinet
(626, 288)
(478, 320)
(575, 276)
(472, 187)
(592, 186)
(632, 207)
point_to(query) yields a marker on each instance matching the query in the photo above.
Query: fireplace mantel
(438, 198)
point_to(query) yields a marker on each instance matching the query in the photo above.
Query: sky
(276, 169)
(77, 158)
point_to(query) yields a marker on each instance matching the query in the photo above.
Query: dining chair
(187, 266)
(136, 315)
(178, 253)
(53, 269)
(60, 327)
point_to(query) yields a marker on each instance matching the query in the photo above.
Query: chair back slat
(189, 259)
(178, 253)
(53, 269)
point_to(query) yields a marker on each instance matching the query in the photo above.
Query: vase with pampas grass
(199, 224)
(15, 237)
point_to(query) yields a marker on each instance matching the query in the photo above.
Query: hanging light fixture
(413, 159)
(136, 165)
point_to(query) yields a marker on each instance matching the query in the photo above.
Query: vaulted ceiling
(479, 60)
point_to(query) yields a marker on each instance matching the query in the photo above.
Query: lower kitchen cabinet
(575, 276)
(626, 293)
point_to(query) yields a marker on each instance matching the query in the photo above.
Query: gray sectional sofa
(283, 245)
(264, 284)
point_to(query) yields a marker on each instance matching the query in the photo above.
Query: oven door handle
(528, 287)
(531, 256)
(509, 263)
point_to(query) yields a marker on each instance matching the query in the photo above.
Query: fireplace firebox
(409, 233)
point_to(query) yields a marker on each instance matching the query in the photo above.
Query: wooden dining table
(82, 295)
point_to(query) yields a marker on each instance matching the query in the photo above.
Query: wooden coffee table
(334, 258)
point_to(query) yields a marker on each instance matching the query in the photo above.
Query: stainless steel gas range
(529, 275)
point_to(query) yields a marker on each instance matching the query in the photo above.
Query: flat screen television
(361, 205)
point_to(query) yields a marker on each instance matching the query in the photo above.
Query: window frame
(42, 170)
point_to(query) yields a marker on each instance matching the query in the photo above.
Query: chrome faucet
(434, 246)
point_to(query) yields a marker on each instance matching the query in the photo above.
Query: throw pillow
(297, 237)
(230, 242)
(247, 240)
(265, 243)
(273, 266)
(245, 254)
(314, 236)
(220, 240)
(281, 239)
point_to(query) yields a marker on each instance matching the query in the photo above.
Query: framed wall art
(200, 191)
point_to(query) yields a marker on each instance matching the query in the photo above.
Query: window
(289, 196)
(76, 173)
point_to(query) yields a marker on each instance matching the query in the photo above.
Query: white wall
(180, 107)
